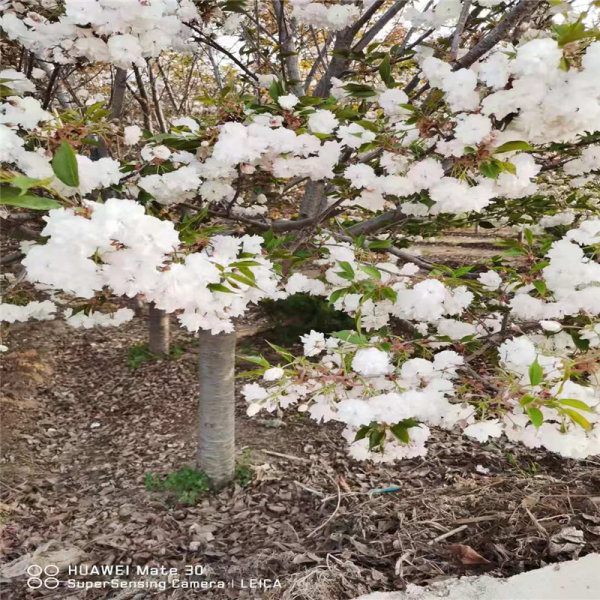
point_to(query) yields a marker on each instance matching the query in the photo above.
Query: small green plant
(243, 470)
(140, 354)
(187, 484)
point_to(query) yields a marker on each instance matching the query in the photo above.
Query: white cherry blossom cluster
(566, 419)
(571, 276)
(19, 114)
(38, 311)
(359, 385)
(116, 246)
(111, 31)
(334, 17)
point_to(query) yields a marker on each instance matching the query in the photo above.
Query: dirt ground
(81, 430)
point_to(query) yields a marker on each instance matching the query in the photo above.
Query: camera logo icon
(36, 581)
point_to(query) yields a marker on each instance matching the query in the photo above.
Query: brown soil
(81, 429)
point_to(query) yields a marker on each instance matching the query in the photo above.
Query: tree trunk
(158, 331)
(216, 407)
(117, 98)
(314, 200)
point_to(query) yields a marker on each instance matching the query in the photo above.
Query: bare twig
(446, 535)
(287, 456)
(337, 507)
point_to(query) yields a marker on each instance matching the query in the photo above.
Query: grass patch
(139, 354)
(187, 484)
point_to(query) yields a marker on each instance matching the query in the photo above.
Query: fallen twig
(337, 507)
(446, 535)
(288, 456)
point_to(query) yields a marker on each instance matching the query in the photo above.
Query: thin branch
(203, 38)
(160, 118)
(389, 14)
(50, 88)
(460, 26)
(167, 85)
(142, 99)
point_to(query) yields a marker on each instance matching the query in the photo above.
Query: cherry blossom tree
(333, 135)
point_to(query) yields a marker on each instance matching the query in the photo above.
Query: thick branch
(522, 10)
(117, 98)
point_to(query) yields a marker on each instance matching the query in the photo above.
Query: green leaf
(347, 271)
(25, 183)
(348, 335)
(389, 294)
(379, 244)
(371, 271)
(358, 90)
(540, 286)
(578, 418)
(400, 432)
(274, 90)
(282, 351)
(376, 439)
(510, 146)
(490, 169)
(245, 280)
(219, 287)
(64, 165)
(10, 196)
(535, 416)
(526, 399)
(335, 296)
(536, 373)
(259, 360)
(580, 343)
(385, 70)
(362, 433)
(369, 125)
(578, 404)
(507, 166)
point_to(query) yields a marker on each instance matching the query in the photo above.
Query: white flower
(355, 412)
(484, 430)
(371, 362)
(314, 343)
(288, 102)
(472, 129)
(273, 374)
(253, 392)
(490, 280)
(322, 121)
(132, 135)
(390, 101)
(551, 326)
(354, 135)
(151, 152)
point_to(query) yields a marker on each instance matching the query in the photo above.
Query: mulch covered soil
(81, 430)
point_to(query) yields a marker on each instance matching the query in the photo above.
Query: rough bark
(314, 201)
(216, 407)
(287, 49)
(158, 331)
(117, 98)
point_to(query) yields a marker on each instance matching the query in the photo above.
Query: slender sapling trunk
(216, 407)
(158, 331)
